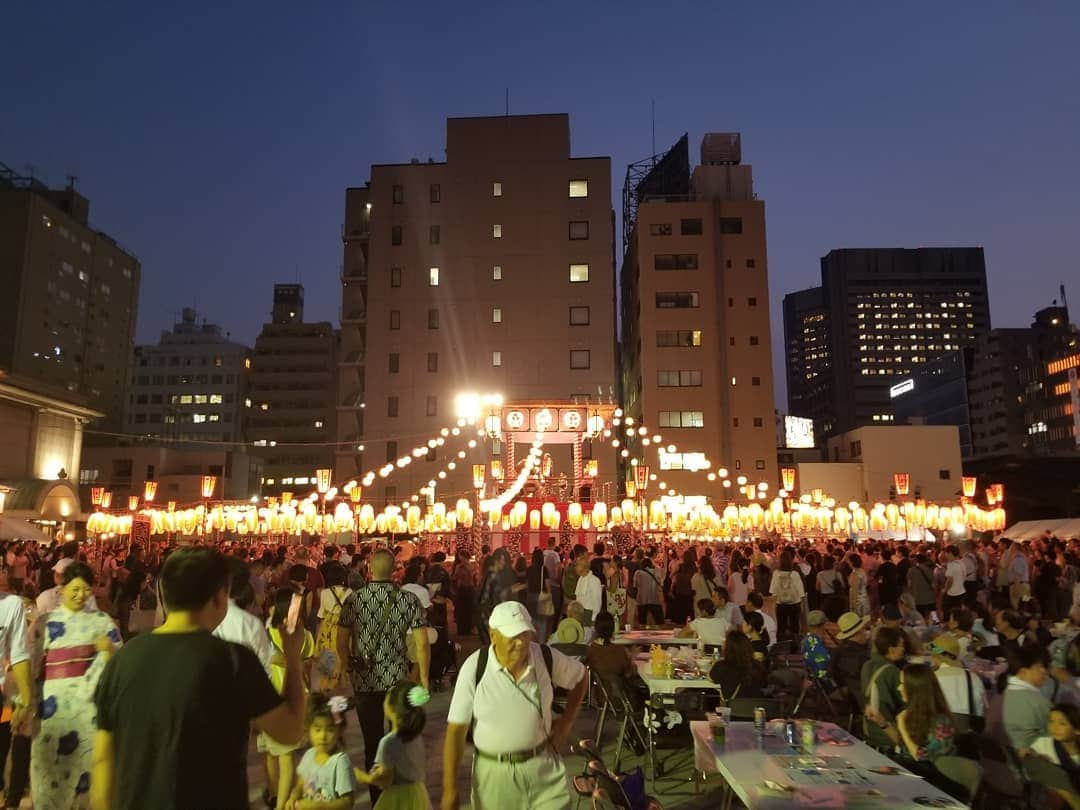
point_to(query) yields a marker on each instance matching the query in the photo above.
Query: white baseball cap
(62, 565)
(511, 619)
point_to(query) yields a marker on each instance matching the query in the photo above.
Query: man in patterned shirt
(374, 624)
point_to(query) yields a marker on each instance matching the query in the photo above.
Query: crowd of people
(140, 677)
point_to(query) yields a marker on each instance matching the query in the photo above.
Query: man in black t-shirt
(174, 707)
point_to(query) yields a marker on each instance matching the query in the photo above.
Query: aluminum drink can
(759, 718)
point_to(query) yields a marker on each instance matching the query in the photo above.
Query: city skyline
(857, 141)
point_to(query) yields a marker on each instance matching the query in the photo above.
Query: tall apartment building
(807, 362)
(291, 415)
(490, 272)
(67, 316)
(889, 310)
(1009, 393)
(190, 385)
(696, 362)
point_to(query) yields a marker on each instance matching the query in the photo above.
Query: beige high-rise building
(67, 313)
(696, 360)
(491, 272)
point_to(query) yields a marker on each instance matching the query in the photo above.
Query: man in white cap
(507, 689)
(49, 600)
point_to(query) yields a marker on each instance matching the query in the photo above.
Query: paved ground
(674, 791)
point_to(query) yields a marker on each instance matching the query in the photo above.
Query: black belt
(514, 756)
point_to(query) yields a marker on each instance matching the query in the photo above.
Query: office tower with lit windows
(290, 406)
(888, 311)
(489, 272)
(67, 315)
(190, 385)
(696, 357)
(806, 355)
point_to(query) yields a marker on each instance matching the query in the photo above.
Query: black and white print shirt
(381, 642)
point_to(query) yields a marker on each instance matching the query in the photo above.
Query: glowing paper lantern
(477, 476)
(106, 499)
(95, 495)
(592, 467)
(631, 488)
(788, 477)
(641, 476)
(133, 502)
(968, 484)
(149, 491)
(322, 480)
(497, 469)
(901, 481)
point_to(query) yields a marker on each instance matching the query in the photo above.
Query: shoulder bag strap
(971, 696)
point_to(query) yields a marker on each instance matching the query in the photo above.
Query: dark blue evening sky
(217, 143)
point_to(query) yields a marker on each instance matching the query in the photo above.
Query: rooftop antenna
(1064, 302)
(508, 101)
(72, 180)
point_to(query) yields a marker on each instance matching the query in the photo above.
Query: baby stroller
(607, 790)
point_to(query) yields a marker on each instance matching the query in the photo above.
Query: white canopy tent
(1030, 529)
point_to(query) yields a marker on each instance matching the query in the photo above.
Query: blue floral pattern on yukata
(61, 753)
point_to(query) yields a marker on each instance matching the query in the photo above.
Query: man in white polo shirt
(517, 741)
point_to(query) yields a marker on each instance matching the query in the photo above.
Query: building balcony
(357, 232)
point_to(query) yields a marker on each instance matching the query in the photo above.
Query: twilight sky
(217, 143)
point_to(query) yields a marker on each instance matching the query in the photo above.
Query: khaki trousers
(538, 784)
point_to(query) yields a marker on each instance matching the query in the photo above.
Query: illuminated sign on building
(901, 388)
(798, 431)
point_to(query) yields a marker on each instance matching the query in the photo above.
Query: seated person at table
(910, 615)
(1062, 745)
(608, 661)
(853, 651)
(880, 683)
(754, 629)
(754, 604)
(961, 624)
(571, 630)
(1024, 709)
(892, 617)
(725, 609)
(737, 673)
(814, 652)
(709, 627)
(925, 724)
(963, 690)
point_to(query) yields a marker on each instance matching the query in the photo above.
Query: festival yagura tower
(489, 272)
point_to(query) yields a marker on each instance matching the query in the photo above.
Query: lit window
(496, 358)
(200, 399)
(318, 423)
(214, 417)
(496, 315)
(496, 231)
(433, 277)
(302, 480)
(265, 406)
(247, 362)
(496, 273)
(579, 188)
(496, 189)
(579, 272)
(198, 418)
(286, 480)
(185, 399)
(215, 399)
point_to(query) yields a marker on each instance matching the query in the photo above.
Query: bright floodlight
(467, 406)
